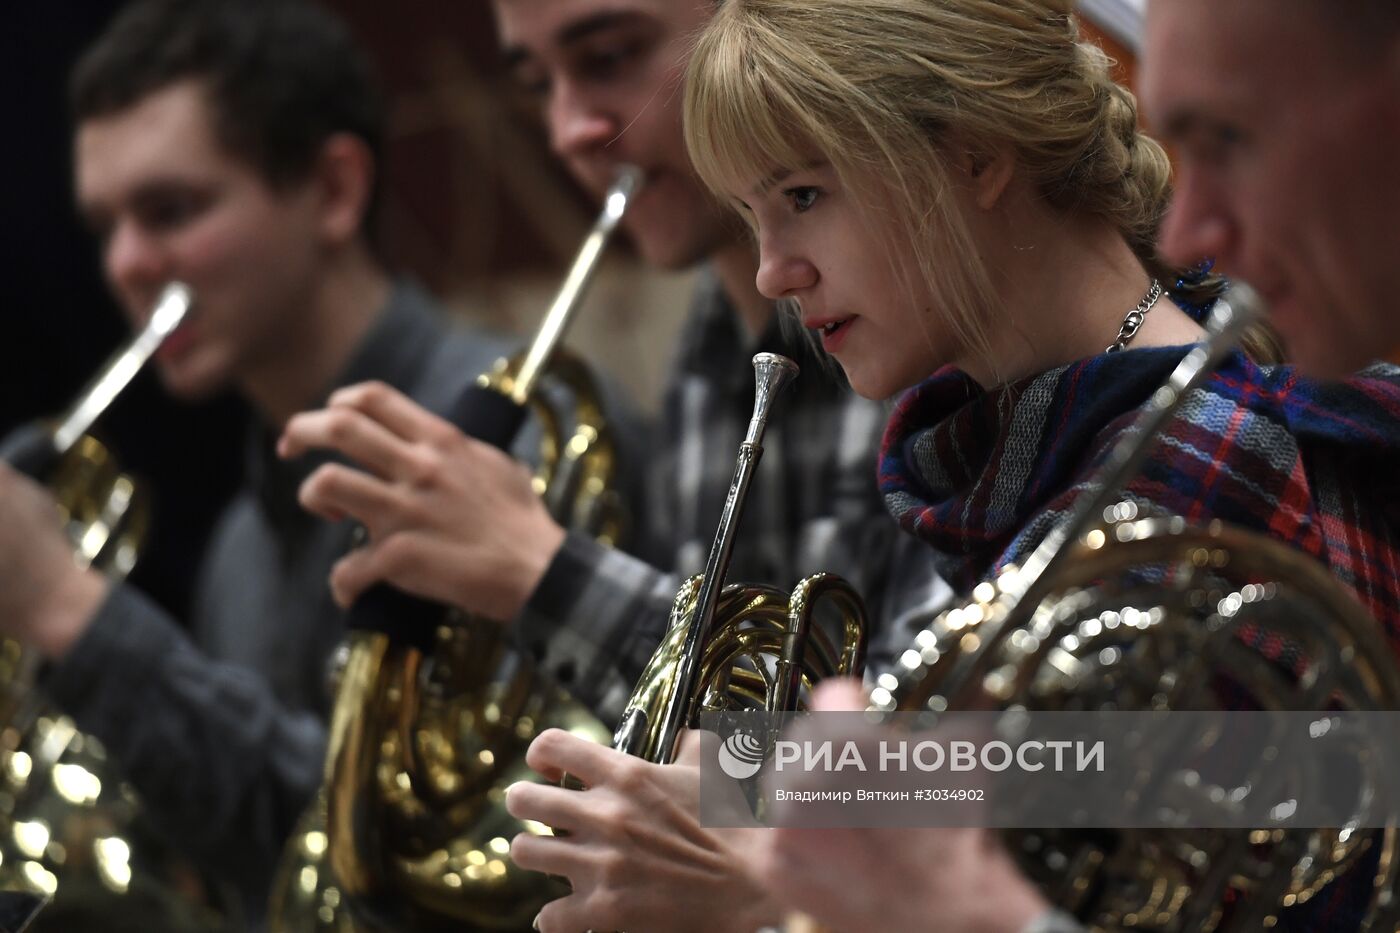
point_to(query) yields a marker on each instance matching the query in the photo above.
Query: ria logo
(741, 756)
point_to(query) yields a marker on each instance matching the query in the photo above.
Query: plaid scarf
(983, 476)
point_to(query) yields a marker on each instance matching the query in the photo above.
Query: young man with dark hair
(279, 80)
(232, 145)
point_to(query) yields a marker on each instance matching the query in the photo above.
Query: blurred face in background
(169, 203)
(1285, 121)
(607, 78)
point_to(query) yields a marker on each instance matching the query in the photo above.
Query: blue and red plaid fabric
(983, 476)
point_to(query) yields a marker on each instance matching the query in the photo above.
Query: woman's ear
(989, 172)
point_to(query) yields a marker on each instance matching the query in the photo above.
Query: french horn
(741, 646)
(433, 713)
(70, 828)
(1120, 609)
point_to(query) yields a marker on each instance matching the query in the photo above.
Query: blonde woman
(958, 199)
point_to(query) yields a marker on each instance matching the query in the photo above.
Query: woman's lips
(833, 332)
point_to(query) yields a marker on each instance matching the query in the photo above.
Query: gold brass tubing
(771, 373)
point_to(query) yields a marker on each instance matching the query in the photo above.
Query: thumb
(843, 693)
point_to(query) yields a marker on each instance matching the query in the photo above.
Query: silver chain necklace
(1134, 318)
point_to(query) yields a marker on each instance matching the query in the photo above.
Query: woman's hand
(634, 851)
(894, 880)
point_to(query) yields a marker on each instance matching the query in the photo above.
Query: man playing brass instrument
(232, 145)
(606, 76)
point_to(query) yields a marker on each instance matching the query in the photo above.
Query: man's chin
(670, 254)
(190, 385)
(674, 243)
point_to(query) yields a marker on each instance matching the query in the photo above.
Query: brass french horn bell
(1081, 626)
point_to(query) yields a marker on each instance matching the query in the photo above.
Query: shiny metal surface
(742, 646)
(1125, 610)
(626, 186)
(772, 373)
(73, 831)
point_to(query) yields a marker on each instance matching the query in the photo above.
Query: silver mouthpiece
(772, 373)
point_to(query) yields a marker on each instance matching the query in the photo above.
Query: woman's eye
(802, 198)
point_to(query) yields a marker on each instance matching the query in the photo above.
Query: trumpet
(741, 646)
(70, 828)
(1080, 626)
(433, 713)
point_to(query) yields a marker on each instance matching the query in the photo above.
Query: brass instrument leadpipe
(34, 449)
(772, 373)
(1228, 320)
(168, 314)
(551, 331)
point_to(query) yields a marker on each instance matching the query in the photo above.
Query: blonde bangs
(743, 122)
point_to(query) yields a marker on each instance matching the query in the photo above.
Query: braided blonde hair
(884, 89)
